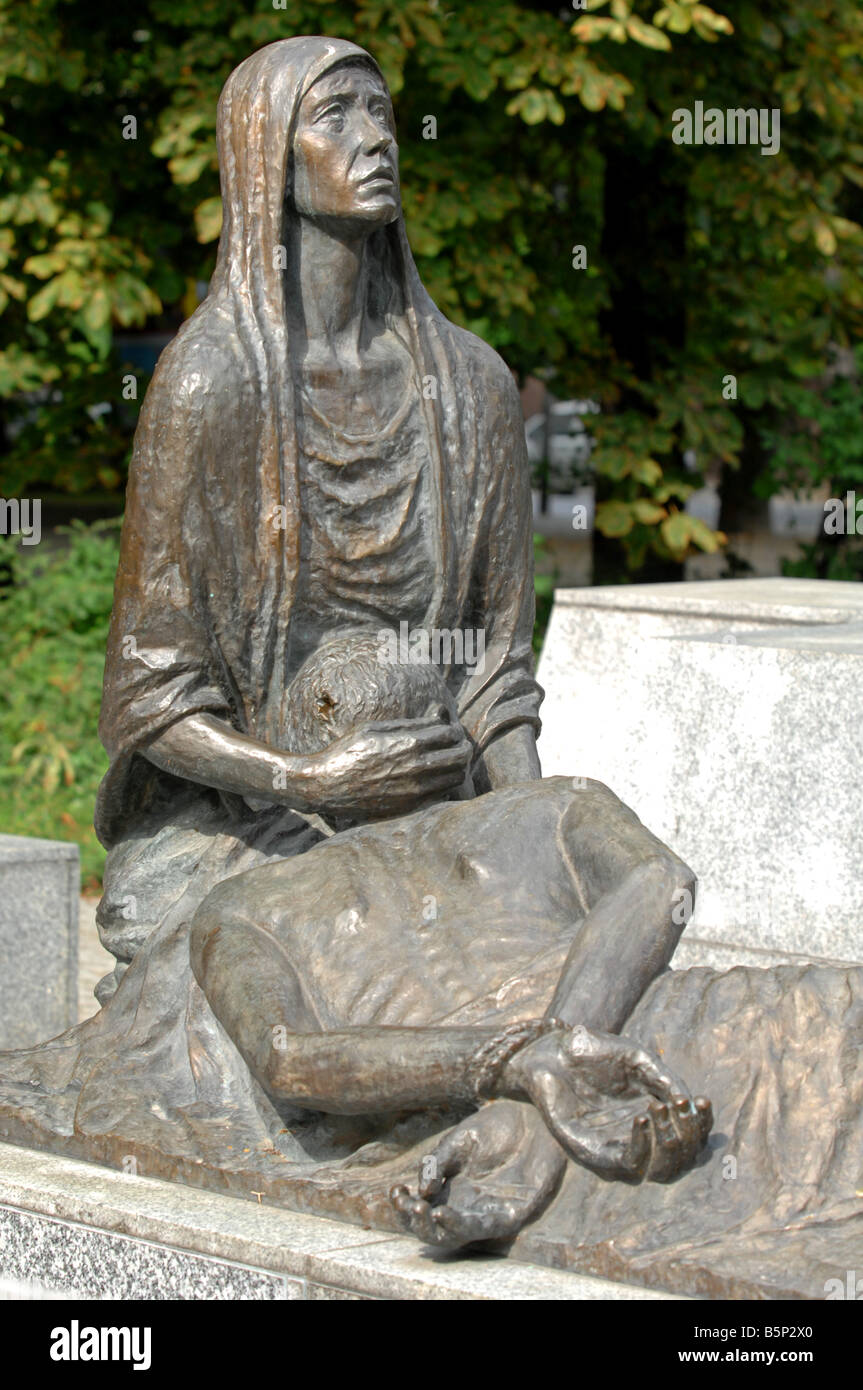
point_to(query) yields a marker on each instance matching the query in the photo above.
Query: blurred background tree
(552, 131)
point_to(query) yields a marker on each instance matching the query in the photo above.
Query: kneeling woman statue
(322, 461)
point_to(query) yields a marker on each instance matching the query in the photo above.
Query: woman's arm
(382, 769)
(509, 758)
(205, 749)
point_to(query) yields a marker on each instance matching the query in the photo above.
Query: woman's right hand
(388, 768)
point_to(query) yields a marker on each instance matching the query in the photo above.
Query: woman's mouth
(381, 175)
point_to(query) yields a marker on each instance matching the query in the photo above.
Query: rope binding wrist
(489, 1060)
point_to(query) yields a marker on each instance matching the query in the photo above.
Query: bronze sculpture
(438, 986)
(347, 997)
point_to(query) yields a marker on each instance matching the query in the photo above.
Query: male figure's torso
(463, 912)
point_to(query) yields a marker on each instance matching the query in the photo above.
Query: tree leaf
(96, 313)
(825, 238)
(614, 519)
(647, 512)
(646, 34)
(676, 531)
(647, 471)
(208, 219)
(591, 28)
(706, 540)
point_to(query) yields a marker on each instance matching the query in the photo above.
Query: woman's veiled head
(344, 156)
(273, 97)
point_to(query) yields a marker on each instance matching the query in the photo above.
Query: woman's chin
(378, 208)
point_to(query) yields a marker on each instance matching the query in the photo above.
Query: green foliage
(749, 265)
(76, 439)
(822, 442)
(553, 130)
(55, 604)
(639, 502)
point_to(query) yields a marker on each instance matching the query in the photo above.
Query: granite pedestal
(728, 715)
(39, 887)
(96, 1233)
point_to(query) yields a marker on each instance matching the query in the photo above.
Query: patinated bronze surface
(369, 962)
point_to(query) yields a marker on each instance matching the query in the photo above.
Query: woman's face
(345, 152)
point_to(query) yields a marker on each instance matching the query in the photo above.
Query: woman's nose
(374, 137)
(377, 142)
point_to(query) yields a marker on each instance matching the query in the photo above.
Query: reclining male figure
(475, 954)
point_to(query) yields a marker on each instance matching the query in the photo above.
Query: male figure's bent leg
(259, 999)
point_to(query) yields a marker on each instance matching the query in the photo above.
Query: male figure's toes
(454, 1228)
(469, 1218)
(400, 1197)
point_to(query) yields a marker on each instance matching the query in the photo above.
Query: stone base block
(90, 1232)
(728, 715)
(39, 886)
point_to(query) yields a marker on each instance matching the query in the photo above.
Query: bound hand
(611, 1104)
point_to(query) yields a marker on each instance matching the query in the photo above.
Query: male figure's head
(347, 683)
